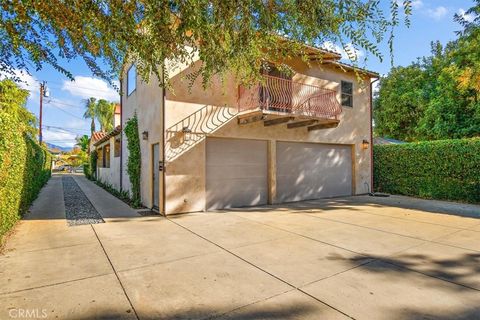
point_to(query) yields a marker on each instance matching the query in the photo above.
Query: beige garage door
(312, 171)
(236, 173)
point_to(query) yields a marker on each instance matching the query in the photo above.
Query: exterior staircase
(188, 132)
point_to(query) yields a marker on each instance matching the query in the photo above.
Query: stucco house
(287, 138)
(108, 147)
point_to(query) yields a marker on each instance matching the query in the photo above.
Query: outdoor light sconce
(145, 135)
(186, 133)
(365, 144)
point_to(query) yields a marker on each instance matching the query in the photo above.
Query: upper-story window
(131, 79)
(347, 94)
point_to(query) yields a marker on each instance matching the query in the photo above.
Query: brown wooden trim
(301, 123)
(276, 121)
(321, 126)
(251, 119)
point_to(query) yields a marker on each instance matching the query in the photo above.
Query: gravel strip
(78, 209)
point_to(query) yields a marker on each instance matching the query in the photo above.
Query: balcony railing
(286, 96)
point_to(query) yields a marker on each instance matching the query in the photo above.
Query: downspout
(121, 135)
(371, 134)
(164, 185)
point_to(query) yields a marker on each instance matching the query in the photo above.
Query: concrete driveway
(357, 257)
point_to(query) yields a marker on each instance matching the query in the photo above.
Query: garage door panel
(236, 173)
(312, 171)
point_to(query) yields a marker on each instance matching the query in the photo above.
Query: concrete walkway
(358, 257)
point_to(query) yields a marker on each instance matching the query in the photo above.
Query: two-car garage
(237, 172)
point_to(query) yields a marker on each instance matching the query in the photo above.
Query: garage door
(236, 173)
(312, 171)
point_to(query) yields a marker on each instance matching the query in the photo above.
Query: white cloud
(467, 16)
(78, 124)
(416, 4)
(353, 53)
(437, 13)
(86, 87)
(59, 138)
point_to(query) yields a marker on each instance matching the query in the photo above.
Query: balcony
(277, 100)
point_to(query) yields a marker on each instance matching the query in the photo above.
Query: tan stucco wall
(185, 175)
(146, 101)
(110, 175)
(186, 161)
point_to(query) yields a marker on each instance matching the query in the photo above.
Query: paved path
(358, 257)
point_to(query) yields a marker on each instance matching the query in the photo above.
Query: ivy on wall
(443, 169)
(134, 159)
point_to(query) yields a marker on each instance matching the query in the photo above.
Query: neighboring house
(289, 138)
(108, 147)
(383, 140)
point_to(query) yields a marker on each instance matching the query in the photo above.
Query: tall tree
(105, 112)
(438, 96)
(237, 36)
(13, 101)
(90, 112)
(83, 142)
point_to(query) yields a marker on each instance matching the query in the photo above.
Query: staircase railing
(191, 130)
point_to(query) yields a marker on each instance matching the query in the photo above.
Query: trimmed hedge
(444, 169)
(24, 169)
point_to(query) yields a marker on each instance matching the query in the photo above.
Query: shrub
(24, 169)
(86, 170)
(92, 172)
(134, 159)
(444, 169)
(122, 195)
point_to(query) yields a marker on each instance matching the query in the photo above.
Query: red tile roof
(108, 135)
(97, 136)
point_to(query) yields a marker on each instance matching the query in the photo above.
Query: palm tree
(105, 112)
(83, 142)
(90, 112)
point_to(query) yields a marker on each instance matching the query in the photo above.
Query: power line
(53, 129)
(66, 128)
(63, 103)
(61, 87)
(71, 114)
(79, 87)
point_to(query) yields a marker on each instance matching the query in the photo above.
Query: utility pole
(42, 94)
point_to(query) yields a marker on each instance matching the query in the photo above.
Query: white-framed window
(347, 94)
(131, 79)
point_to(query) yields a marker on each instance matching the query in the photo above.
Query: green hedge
(444, 169)
(24, 169)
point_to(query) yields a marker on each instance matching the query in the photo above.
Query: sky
(63, 110)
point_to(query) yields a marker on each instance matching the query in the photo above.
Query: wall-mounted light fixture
(186, 133)
(365, 144)
(145, 135)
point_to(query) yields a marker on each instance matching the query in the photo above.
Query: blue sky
(62, 116)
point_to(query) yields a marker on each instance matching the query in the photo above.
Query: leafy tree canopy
(13, 101)
(236, 35)
(105, 112)
(436, 97)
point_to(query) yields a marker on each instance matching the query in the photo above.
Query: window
(106, 156)
(117, 147)
(100, 157)
(131, 79)
(347, 94)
